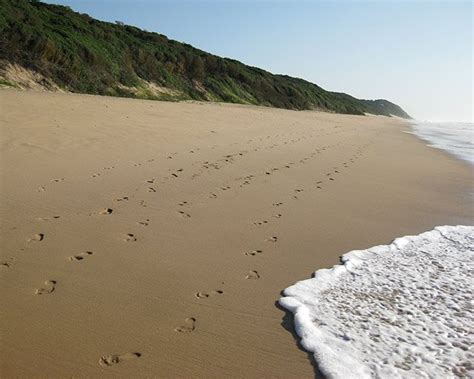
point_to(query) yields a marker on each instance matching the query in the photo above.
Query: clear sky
(417, 54)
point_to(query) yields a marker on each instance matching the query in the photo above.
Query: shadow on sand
(287, 323)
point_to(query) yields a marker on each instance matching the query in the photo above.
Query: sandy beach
(153, 239)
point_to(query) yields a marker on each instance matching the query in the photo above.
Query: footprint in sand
(105, 211)
(80, 257)
(130, 238)
(110, 360)
(278, 215)
(151, 189)
(253, 253)
(205, 295)
(277, 204)
(212, 196)
(121, 198)
(49, 287)
(151, 181)
(183, 203)
(41, 189)
(260, 223)
(175, 175)
(47, 218)
(253, 275)
(57, 180)
(331, 179)
(272, 239)
(36, 238)
(144, 223)
(188, 326)
(184, 214)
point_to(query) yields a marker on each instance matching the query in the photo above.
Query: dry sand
(116, 213)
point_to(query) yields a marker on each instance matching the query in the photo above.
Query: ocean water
(456, 138)
(403, 310)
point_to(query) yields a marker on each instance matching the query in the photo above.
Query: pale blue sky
(417, 54)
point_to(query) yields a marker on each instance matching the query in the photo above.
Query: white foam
(456, 138)
(403, 310)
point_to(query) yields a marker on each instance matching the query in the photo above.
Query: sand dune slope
(153, 239)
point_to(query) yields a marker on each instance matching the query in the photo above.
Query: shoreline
(434, 142)
(365, 308)
(72, 156)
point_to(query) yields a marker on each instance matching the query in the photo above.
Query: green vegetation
(7, 83)
(81, 54)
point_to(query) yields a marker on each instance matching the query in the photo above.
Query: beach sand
(116, 213)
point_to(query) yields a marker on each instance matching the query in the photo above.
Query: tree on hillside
(196, 69)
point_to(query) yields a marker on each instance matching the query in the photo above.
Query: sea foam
(456, 138)
(404, 310)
